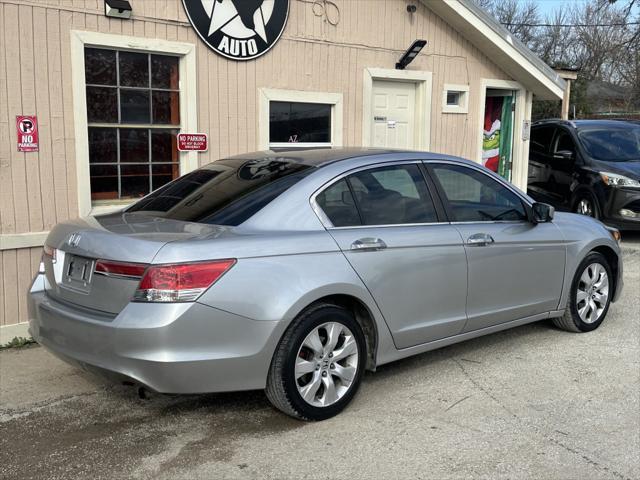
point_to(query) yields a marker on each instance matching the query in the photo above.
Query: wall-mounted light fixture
(410, 54)
(117, 9)
(411, 8)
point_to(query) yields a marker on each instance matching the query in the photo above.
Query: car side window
(541, 138)
(393, 195)
(476, 197)
(564, 142)
(338, 205)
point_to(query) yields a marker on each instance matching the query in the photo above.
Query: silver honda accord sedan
(296, 271)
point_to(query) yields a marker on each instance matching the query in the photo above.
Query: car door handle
(368, 244)
(480, 239)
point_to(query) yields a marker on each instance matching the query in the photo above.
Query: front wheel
(318, 365)
(590, 295)
(585, 204)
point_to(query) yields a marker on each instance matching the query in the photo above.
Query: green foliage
(18, 342)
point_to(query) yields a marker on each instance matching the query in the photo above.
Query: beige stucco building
(111, 94)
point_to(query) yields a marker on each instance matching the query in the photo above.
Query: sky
(547, 7)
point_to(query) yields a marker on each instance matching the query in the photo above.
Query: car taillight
(120, 269)
(180, 282)
(50, 252)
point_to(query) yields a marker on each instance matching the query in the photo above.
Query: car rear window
(226, 192)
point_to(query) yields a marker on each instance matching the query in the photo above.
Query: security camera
(411, 8)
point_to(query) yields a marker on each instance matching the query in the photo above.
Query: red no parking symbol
(27, 133)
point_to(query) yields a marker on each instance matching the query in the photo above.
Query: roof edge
(541, 79)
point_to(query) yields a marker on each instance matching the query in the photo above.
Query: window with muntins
(133, 114)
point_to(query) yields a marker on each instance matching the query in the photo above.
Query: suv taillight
(180, 282)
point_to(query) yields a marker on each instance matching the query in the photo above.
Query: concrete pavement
(532, 402)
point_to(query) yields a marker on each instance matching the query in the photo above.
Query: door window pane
(293, 122)
(134, 69)
(475, 197)
(564, 142)
(338, 205)
(393, 195)
(100, 66)
(541, 138)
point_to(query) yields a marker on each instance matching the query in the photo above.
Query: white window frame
(463, 105)
(188, 104)
(268, 95)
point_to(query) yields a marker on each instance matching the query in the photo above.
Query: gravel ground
(532, 402)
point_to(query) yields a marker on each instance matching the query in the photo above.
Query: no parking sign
(27, 133)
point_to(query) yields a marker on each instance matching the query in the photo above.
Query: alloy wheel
(592, 293)
(585, 207)
(326, 364)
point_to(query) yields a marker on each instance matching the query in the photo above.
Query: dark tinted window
(392, 195)
(612, 144)
(541, 138)
(564, 142)
(294, 122)
(226, 192)
(131, 88)
(337, 203)
(475, 197)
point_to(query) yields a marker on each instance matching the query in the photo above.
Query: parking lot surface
(532, 402)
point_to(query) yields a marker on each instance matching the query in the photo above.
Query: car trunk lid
(121, 237)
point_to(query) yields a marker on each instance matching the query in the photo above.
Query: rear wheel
(318, 365)
(590, 296)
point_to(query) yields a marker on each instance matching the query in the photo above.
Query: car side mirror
(563, 155)
(542, 212)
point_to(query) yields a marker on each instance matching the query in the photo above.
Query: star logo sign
(238, 29)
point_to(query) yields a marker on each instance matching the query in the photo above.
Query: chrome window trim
(392, 225)
(325, 220)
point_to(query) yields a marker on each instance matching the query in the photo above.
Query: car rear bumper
(623, 209)
(169, 348)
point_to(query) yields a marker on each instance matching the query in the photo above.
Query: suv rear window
(226, 192)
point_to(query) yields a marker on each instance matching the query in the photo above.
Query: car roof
(319, 157)
(613, 123)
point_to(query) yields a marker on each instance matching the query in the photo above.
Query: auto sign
(238, 29)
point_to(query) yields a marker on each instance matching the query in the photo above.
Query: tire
(573, 320)
(586, 204)
(285, 391)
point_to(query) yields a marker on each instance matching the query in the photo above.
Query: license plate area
(77, 273)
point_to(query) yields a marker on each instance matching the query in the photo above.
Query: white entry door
(394, 114)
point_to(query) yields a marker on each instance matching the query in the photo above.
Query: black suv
(590, 167)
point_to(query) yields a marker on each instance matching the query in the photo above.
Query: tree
(601, 38)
